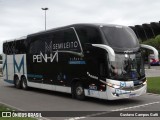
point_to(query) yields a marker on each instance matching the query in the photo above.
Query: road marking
(137, 106)
(101, 113)
(11, 106)
(42, 118)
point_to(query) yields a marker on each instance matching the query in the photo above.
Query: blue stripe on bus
(77, 62)
(9, 81)
(18, 66)
(5, 66)
(34, 76)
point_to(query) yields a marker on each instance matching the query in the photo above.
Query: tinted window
(89, 35)
(66, 40)
(120, 37)
(62, 40)
(10, 48)
(37, 44)
(14, 47)
(5, 48)
(20, 47)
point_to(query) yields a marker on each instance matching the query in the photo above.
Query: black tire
(17, 82)
(24, 83)
(79, 91)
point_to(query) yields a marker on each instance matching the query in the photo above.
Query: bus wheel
(17, 82)
(24, 83)
(79, 91)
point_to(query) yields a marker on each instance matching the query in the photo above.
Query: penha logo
(46, 58)
(18, 67)
(122, 84)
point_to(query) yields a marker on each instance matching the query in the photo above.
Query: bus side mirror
(155, 51)
(108, 49)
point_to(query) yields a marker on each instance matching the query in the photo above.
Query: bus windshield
(120, 37)
(127, 67)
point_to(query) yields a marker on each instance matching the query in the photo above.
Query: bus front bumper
(114, 94)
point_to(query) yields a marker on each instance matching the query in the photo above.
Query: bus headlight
(116, 86)
(110, 84)
(113, 85)
(145, 82)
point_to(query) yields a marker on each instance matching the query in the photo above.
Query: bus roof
(16, 39)
(59, 28)
(75, 25)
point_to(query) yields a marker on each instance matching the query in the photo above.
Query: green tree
(157, 39)
(155, 42)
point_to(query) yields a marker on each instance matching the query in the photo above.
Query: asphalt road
(42, 100)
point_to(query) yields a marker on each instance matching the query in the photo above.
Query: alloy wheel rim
(79, 90)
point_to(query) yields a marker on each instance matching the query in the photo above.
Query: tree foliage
(155, 42)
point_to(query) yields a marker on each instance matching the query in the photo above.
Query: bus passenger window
(89, 35)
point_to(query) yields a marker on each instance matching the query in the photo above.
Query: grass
(153, 85)
(4, 108)
(7, 109)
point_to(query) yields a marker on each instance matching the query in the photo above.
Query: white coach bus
(95, 60)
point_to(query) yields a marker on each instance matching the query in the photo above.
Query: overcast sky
(21, 17)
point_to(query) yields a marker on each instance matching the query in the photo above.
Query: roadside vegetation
(155, 42)
(3, 108)
(153, 85)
